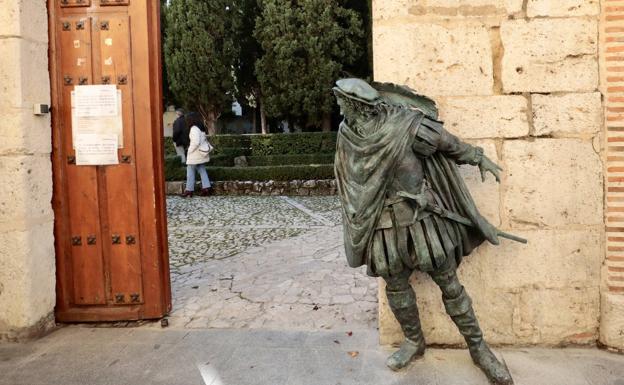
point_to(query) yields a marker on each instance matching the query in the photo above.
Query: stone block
(485, 116)
(558, 317)
(562, 8)
(567, 114)
(24, 77)
(612, 320)
(24, 18)
(389, 9)
(495, 312)
(547, 55)
(552, 183)
(175, 188)
(434, 59)
(552, 259)
(27, 276)
(509, 6)
(516, 314)
(402, 8)
(9, 18)
(23, 132)
(29, 197)
(486, 194)
(474, 8)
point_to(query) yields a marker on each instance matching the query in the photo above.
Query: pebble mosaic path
(264, 262)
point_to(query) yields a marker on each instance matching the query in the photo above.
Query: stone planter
(263, 188)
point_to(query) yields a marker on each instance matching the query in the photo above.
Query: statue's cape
(364, 167)
(445, 179)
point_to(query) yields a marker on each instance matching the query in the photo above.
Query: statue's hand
(491, 234)
(487, 165)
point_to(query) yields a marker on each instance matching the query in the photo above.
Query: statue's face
(341, 104)
(346, 109)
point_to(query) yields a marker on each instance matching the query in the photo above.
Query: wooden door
(110, 223)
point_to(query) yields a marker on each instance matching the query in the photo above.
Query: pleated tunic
(387, 231)
(403, 240)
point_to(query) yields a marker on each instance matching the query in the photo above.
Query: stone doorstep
(262, 188)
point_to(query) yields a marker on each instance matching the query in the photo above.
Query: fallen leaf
(337, 342)
(349, 334)
(353, 354)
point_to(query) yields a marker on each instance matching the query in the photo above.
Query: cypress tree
(200, 55)
(247, 83)
(305, 44)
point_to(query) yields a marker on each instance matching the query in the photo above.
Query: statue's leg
(459, 306)
(402, 301)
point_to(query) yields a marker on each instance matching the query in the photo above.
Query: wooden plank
(148, 108)
(64, 279)
(81, 182)
(124, 259)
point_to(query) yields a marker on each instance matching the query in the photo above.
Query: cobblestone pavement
(264, 262)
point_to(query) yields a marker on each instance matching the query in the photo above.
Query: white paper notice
(96, 149)
(95, 101)
(97, 124)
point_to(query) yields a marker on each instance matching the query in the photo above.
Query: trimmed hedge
(169, 149)
(282, 173)
(258, 173)
(215, 160)
(293, 144)
(269, 144)
(282, 160)
(233, 141)
(307, 155)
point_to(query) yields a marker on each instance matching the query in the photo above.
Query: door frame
(146, 56)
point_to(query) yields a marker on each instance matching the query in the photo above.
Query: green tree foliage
(200, 54)
(249, 49)
(168, 97)
(306, 44)
(248, 88)
(363, 66)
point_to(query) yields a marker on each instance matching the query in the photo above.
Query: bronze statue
(405, 207)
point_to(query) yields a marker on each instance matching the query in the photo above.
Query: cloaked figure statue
(405, 207)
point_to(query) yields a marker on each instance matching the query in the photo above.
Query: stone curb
(264, 188)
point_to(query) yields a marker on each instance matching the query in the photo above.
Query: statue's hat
(404, 96)
(358, 89)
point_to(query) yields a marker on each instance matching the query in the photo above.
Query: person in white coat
(197, 156)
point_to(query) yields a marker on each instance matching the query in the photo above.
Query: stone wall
(264, 188)
(27, 267)
(521, 79)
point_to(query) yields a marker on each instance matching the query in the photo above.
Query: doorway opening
(274, 262)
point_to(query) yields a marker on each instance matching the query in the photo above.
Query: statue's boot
(403, 305)
(461, 312)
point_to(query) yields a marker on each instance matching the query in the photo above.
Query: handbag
(205, 146)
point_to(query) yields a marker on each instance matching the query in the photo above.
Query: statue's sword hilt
(456, 217)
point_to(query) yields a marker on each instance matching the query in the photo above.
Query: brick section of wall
(612, 50)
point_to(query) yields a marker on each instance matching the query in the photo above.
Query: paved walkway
(137, 356)
(264, 262)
